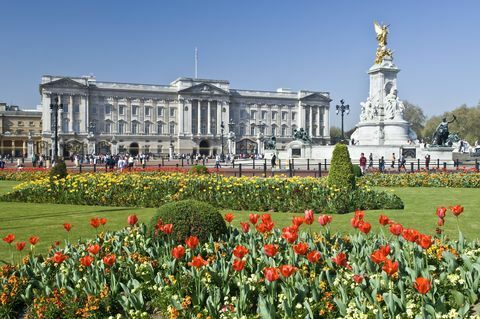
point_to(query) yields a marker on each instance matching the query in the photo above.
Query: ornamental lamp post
(342, 108)
(54, 109)
(222, 127)
(231, 125)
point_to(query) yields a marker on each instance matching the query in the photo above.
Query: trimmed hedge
(189, 218)
(341, 174)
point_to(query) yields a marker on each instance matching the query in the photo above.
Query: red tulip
(192, 242)
(324, 219)
(365, 227)
(197, 262)
(290, 236)
(385, 249)
(456, 210)
(354, 221)
(95, 222)
(240, 251)
(441, 211)
(390, 267)
(383, 220)
(440, 222)
(228, 217)
(9, 238)
(340, 260)
(20, 245)
(86, 261)
(103, 221)
(309, 218)
(67, 226)
(378, 256)
(270, 250)
(424, 241)
(287, 270)
(358, 278)
(238, 264)
(297, 221)
(300, 248)
(167, 229)
(266, 218)
(58, 257)
(422, 285)
(56, 243)
(94, 249)
(359, 214)
(132, 219)
(33, 240)
(109, 260)
(245, 227)
(254, 218)
(178, 252)
(396, 229)
(271, 273)
(410, 234)
(313, 256)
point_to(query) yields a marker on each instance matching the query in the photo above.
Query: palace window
(76, 108)
(65, 108)
(242, 129)
(284, 131)
(264, 115)
(294, 116)
(159, 128)
(134, 128)
(32, 124)
(76, 126)
(172, 112)
(121, 128)
(284, 116)
(252, 130)
(147, 111)
(65, 125)
(253, 115)
(20, 123)
(121, 109)
(274, 116)
(172, 128)
(108, 127)
(94, 110)
(147, 128)
(108, 109)
(134, 110)
(159, 111)
(274, 130)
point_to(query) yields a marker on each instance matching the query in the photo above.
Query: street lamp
(222, 126)
(231, 125)
(342, 108)
(54, 109)
(170, 149)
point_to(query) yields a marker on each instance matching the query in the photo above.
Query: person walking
(274, 161)
(393, 160)
(427, 162)
(381, 165)
(217, 161)
(363, 163)
(370, 161)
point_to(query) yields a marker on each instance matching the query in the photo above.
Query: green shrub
(190, 218)
(59, 170)
(341, 174)
(357, 172)
(199, 170)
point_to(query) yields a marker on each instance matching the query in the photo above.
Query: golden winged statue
(382, 33)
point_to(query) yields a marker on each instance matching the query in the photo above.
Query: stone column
(199, 116)
(326, 131)
(13, 148)
(219, 116)
(208, 118)
(181, 122)
(24, 148)
(1, 148)
(310, 129)
(70, 113)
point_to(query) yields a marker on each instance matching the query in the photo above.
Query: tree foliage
(341, 174)
(466, 126)
(414, 114)
(335, 135)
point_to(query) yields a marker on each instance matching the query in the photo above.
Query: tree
(414, 114)
(466, 125)
(335, 135)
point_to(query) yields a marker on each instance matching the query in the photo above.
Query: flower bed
(24, 174)
(257, 271)
(246, 193)
(423, 179)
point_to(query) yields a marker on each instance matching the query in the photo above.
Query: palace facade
(187, 116)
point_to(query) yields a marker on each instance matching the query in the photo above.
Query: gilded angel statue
(382, 33)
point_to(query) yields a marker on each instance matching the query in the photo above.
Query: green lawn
(46, 220)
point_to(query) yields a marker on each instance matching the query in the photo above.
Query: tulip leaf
(458, 297)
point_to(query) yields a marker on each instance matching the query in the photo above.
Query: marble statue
(302, 135)
(394, 108)
(271, 143)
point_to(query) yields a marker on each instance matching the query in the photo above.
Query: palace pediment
(315, 97)
(204, 88)
(64, 83)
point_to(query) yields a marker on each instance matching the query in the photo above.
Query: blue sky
(316, 45)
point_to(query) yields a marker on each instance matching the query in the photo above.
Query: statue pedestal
(394, 132)
(298, 149)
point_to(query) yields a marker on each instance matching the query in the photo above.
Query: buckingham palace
(189, 115)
